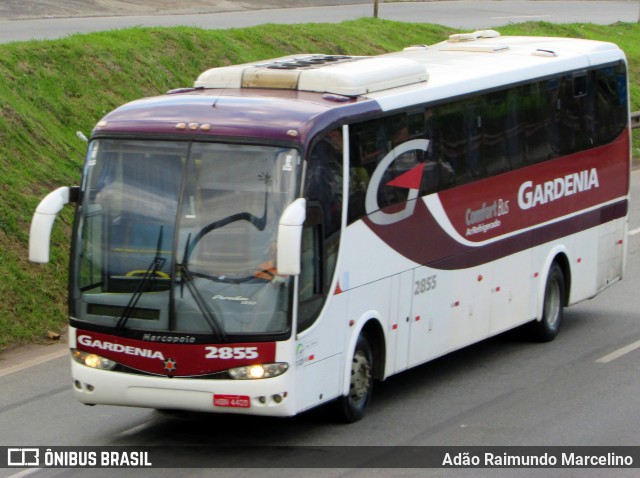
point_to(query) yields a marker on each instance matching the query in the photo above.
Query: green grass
(51, 89)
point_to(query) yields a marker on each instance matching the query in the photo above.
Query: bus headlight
(92, 360)
(258, 371)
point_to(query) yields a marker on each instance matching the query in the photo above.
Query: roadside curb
(21, 357)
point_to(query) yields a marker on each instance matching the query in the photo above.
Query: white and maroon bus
(286, 232)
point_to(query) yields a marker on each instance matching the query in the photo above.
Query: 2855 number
(228, 353)
(425, 285)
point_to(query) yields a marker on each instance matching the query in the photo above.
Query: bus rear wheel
(547, 328)
(351, 406)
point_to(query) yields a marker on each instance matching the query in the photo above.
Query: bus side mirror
(290, 238)
(43, 219)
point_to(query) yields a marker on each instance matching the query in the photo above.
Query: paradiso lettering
(87, 341)
(531, 195)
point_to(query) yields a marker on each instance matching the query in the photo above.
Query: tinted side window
(536, 110)
(610, 102)
(459, 125)
(374, 146)
(489, 133)
(500, 132)
(321, 234)
(569, 117)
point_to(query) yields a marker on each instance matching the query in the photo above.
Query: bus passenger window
(610, 103)
(366, 147)
(568, 125)
(399, 130)
(535, 119)
(494, 133)
(458, 124)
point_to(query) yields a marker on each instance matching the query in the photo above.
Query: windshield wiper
(258, 222)
(155, 265)
(187, 279)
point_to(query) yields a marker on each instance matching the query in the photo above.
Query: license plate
(232, 401)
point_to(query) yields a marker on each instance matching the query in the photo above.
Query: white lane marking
(24, 473)
(33, 362)
(635, 231)
(619, 353)
(133, 430)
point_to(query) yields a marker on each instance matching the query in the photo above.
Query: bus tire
(351, 407)
(546, 329)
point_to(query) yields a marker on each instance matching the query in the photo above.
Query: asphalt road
(462, 14)
(580, 389)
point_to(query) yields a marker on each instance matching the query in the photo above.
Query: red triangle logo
(409, 180)
(338, 289)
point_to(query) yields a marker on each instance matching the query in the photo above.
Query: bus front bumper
(268, 397)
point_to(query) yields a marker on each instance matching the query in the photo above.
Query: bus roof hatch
(343, 75)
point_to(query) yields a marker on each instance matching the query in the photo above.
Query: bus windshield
(181, 237)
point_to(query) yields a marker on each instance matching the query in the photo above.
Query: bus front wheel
(351, 406)
(547, 328)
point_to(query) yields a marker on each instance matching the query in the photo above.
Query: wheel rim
(360, 377)
(552, 303)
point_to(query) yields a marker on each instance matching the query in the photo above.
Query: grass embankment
(51, 89)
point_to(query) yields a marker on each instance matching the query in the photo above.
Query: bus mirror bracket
(290, 238)
(43, 219)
